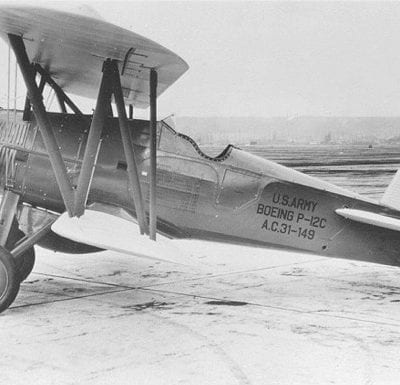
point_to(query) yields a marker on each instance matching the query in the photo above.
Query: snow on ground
(236, 316)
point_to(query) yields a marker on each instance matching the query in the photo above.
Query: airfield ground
(236, 316)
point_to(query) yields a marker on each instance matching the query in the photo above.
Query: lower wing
(111, 232)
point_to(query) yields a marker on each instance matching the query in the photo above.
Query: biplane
(57, 169)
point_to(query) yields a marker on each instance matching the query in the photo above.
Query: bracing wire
(45, 95)
(48, 96)
(51, 99)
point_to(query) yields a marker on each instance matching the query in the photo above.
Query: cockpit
(177, 143)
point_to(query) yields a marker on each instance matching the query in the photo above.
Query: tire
(26, 261)
(9, 279)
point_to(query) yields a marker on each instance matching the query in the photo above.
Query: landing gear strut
(26, 260)
(10, 235)
(17, 255)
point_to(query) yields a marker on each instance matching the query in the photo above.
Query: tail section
(391, 197)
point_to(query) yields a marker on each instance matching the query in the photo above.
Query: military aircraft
(57, 168)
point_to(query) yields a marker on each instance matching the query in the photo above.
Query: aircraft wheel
(9, 279)
(26, 261)
(25, 264)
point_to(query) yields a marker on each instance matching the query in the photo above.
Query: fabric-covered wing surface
(73, 47)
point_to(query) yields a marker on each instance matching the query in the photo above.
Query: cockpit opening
(186, 146)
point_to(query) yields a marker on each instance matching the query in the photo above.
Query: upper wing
(72, 48)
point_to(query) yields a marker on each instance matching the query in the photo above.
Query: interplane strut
(153, 154)
(45, 127)
(75, 199)
(132, 169)
(93, 141)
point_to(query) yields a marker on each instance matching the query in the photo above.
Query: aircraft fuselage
(235, 197)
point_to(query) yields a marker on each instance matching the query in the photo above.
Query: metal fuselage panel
(236, 197)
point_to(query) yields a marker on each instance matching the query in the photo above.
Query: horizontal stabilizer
(391, 197)
(370, 218)
(109, 232)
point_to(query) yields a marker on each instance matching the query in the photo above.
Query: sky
(271, 58)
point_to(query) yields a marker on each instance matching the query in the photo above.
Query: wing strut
(93, 141)
(75, 200)
(61, 96)
(110, 85)
(45, 127)
(27, 108)
(129, 151)
(153, 153)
